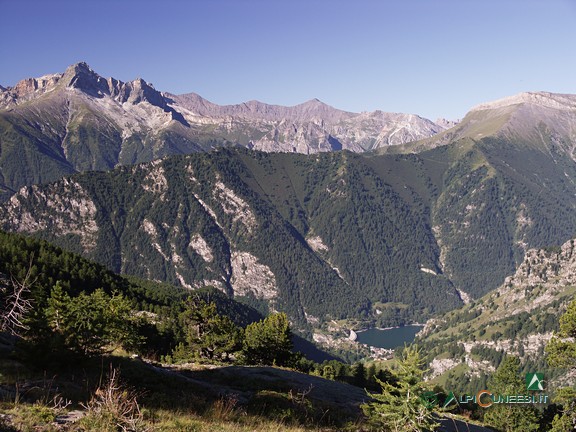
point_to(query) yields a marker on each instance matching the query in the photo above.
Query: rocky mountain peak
(25, 86)
(315, 103)
(29, 85)
(543, 99)
(140, 91)
(317, 108)
(445, 123)
(79, 68)
(81, 77)
(136, 109)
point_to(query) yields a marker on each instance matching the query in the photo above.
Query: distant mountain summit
(254, 110)
(79, 76)
(543, 99)
(537, 120)
(75, 121)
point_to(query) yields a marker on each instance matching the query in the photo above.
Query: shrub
(113, 407)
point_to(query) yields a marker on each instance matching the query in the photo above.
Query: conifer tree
(400, 407)
(209, 334)
(268, 341)
(561, 352)
(508, 417)
(90, 324)
(359, 374)
(371, 373)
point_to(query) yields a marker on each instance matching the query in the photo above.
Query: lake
(388, 338)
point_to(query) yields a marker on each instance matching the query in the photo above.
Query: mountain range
(77, 121)
(388, 236)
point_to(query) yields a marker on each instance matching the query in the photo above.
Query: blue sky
(436, 58)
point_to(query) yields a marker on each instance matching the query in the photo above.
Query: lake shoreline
(389, 328)
(387, 338)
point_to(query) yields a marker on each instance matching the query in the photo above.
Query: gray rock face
(81, 77)
(306, 128)
(314, 126)
(77, 120)
(541, 288)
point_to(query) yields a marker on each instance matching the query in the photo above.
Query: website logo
(486, 398)
(534, 381)
(451, 398)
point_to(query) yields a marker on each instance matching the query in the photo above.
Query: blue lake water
(389, 338)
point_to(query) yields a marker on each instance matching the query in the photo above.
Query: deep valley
(323, 220)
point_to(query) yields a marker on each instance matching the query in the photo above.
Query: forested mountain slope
(318, 236)
(465, 346)
(387, 238)
(47, 265)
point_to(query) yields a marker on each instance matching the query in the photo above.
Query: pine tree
(268, 341)
(359, 374)
(371, 374)
(505, 417)
(561, 352)
(209, 334)
(400, 407)
(58, 305)
(90, 324)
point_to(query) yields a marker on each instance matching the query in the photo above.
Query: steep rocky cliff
(518, 318)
